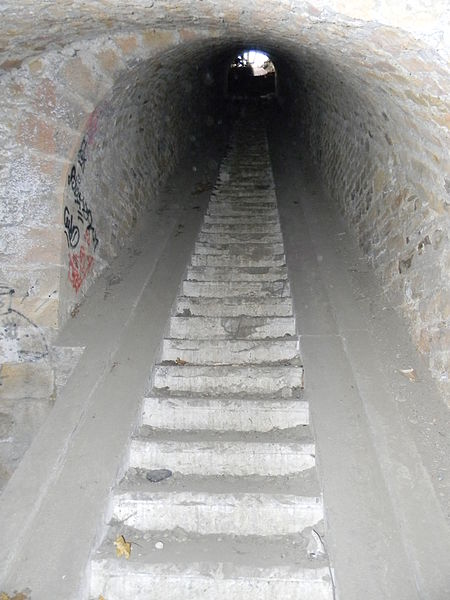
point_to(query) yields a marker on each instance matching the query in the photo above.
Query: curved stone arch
(400, 83)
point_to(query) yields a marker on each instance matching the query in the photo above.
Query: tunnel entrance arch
(251, 74)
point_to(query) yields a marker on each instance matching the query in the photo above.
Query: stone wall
(100, 130)
(379, 132)
(131, 143)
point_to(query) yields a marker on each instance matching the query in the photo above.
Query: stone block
(76, 75)
(36, 133)
(26, 380)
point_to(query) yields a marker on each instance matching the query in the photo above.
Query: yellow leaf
(181, 362)
(123, 548)
(101, 598)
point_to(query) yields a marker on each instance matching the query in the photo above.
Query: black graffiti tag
(72, 231)
(84, 212)
(82, 157)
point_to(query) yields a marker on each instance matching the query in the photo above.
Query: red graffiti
(92, 125)
(79, 266)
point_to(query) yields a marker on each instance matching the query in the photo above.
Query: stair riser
(235, 274)
(217, 307)
(236, 289)
(263, 247)
(232, 352)
(205, 260)
(247, 328)
(241, 219)
(218, 209)
(248, 186)
(241, 228)
(222, 415)
(237, 205)
(201, 513)
(223, 458)
(158, 582)
(285, 382)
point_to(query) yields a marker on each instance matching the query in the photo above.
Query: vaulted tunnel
(98, 116)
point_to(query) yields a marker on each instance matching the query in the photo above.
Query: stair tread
(229, 351)
(243, 244)
(237, 273)
(193, 400)
(304, 484)
(279, 287)
(221, 414)
(234, 327)
(293, 435)
(281, 555)
(233, 306)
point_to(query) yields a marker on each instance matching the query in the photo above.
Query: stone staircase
(241, 514)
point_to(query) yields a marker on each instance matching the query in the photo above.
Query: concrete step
(236, 273)
(244, 289)
(249, 190)
(212, 567)
(247, 203)
(234, 307)
(220, 414)
(248, 328)
(214, 260)
(275, 453)
(242, 219)
(265, 380)
(231, 352)
(227, 510)
(224, 209)
(241, 228)
(262, 247)
(228, 240)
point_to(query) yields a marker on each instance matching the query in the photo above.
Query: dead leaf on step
(409, 373)
(179, 361)
(123, 548)
(16, 596)
(101, 598)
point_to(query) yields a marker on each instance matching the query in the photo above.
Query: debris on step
(315, 548)
(409, 374)
(157, 475)
(123, 548)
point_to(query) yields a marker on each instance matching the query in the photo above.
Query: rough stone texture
(131, 143)
(118, 89)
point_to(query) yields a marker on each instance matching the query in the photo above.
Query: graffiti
(79, 266)
(21, 340)
(72, 231)
(92, 125)
(84, 213)
(81, 235)
(81, 156)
